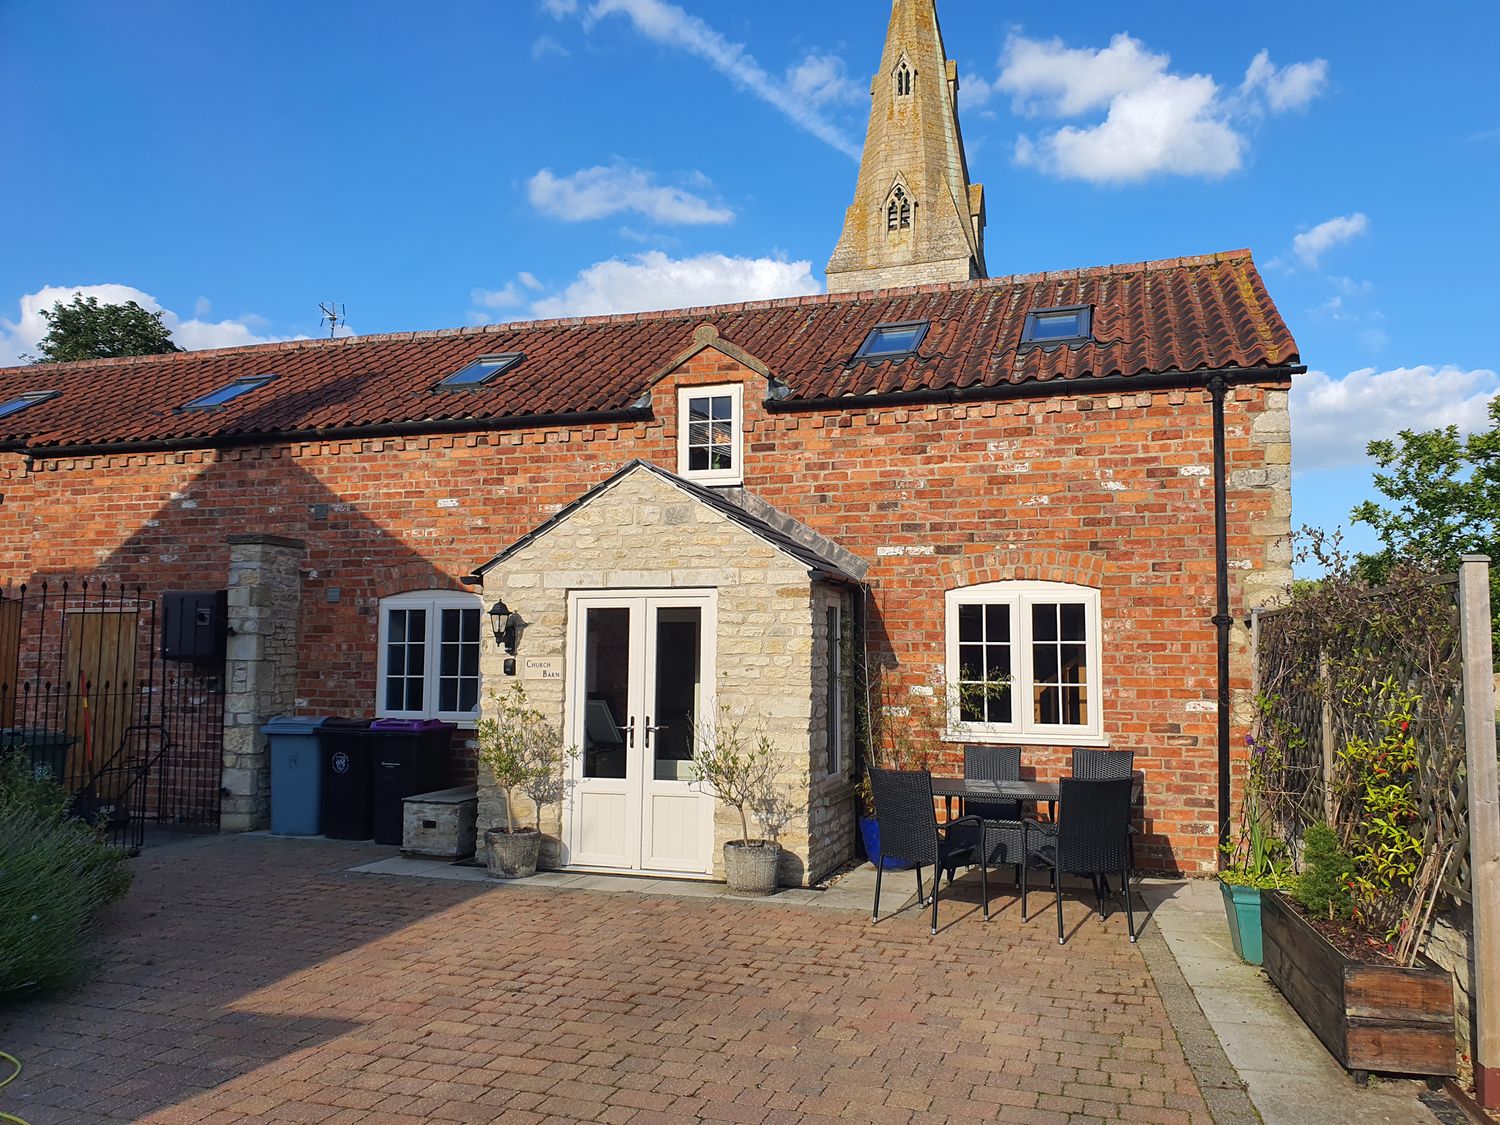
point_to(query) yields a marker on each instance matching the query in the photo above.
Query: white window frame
(434, 602)
(1023, 730)
(735, 474)
(833, 665)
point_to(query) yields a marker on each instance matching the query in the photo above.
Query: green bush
(1327, 874)
(55, 874)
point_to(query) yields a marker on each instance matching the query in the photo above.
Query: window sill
(735, 481)
(1059, 738)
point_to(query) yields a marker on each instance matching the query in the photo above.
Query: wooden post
(1484, 819)
(1326, 726)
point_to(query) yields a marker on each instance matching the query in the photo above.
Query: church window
(898, 212)
(903, 81)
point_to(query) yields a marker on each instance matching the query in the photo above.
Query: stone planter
(1369, 1016)
(750, 866)
(1242, 911)
(512, 855)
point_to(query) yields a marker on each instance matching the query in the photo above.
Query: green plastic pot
(1242, 909)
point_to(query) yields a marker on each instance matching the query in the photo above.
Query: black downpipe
(1217, 387)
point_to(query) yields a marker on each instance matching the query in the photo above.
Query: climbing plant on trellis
(1348, 674)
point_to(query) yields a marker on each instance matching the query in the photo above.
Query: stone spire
(915, 217)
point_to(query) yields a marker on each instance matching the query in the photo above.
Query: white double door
(640, 688)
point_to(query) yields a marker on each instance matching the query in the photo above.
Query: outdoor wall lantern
(506, 625)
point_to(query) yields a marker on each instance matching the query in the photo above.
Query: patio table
(978, 790)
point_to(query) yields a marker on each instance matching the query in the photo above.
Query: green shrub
(1324, 885)
(55, 874)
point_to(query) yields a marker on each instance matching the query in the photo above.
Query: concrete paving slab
(1287, 1073)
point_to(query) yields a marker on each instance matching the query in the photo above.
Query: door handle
(650, 730)
(629, 733)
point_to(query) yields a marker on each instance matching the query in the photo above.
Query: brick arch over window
(416, 575)
(1027, 564)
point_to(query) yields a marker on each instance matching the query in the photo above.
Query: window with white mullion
(405, 659)
(984, 662)
(710, 430)
(1023, 661)
(429, 656)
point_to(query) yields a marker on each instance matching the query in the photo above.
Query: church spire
(915, 217)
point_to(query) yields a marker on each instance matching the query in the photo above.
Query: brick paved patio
(256, 979)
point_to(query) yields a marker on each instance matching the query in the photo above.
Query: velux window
(887, 341)
(228, 393)
(481, 371)
(1058, 326)
(1023, 662)
(18, 403)
(710, 430)
(429, 657)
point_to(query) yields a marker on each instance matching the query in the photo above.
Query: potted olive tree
(742, 776)
(525, 754)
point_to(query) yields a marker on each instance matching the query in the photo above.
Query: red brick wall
(1113, 491)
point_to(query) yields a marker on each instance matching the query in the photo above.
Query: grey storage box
(440, 823)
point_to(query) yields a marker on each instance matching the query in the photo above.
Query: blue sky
(445, 164)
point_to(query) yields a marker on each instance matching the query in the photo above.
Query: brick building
(1005, 481)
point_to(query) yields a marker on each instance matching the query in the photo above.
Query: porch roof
(787, 535)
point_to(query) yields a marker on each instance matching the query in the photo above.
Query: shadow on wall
(355, 556)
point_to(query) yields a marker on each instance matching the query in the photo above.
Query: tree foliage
(1443, 500)
(84, 329)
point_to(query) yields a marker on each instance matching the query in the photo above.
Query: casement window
(429, 656)
(1023, 663)
(834, 689)
(710, 434)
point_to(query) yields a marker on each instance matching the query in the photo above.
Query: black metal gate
(87, 697)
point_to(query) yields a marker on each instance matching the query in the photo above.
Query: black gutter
(1034, 388)
(1217, 388)
(333, 433)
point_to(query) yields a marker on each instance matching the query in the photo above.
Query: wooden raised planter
(1369, 1016)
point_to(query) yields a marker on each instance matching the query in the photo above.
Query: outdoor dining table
(977, 790)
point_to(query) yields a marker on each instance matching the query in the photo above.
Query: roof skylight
(228, 393)
(1058, 326)
(482, 370)
(20, 402)
(886, 341)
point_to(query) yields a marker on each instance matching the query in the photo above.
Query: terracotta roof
(1181, 314)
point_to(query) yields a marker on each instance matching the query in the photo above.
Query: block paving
(256, 979)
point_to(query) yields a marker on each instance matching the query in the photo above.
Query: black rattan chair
(1091, 837)
(993, 763)
(1106, 765)
(909, 830)
(1102, 765)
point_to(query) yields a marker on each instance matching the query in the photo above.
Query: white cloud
(824, 80)
(559, 8)
(1287, 87)
(654, 281)
(1047, 78)
(546, 45)
(1156, 122)
(594, 193)
(22, 335)
(671, 26)
(1311, 245)
(1334, 419)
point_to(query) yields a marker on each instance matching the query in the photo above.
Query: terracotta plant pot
(512, 855)
(750, 866)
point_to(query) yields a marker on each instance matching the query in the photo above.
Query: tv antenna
(333, 316)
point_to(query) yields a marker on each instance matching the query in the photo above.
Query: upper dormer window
(228, 393)
(710, 434)
(20, 402)
(481, 370)
(1069, 325)
(890, 341)
(898, 212)
(903, 80)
